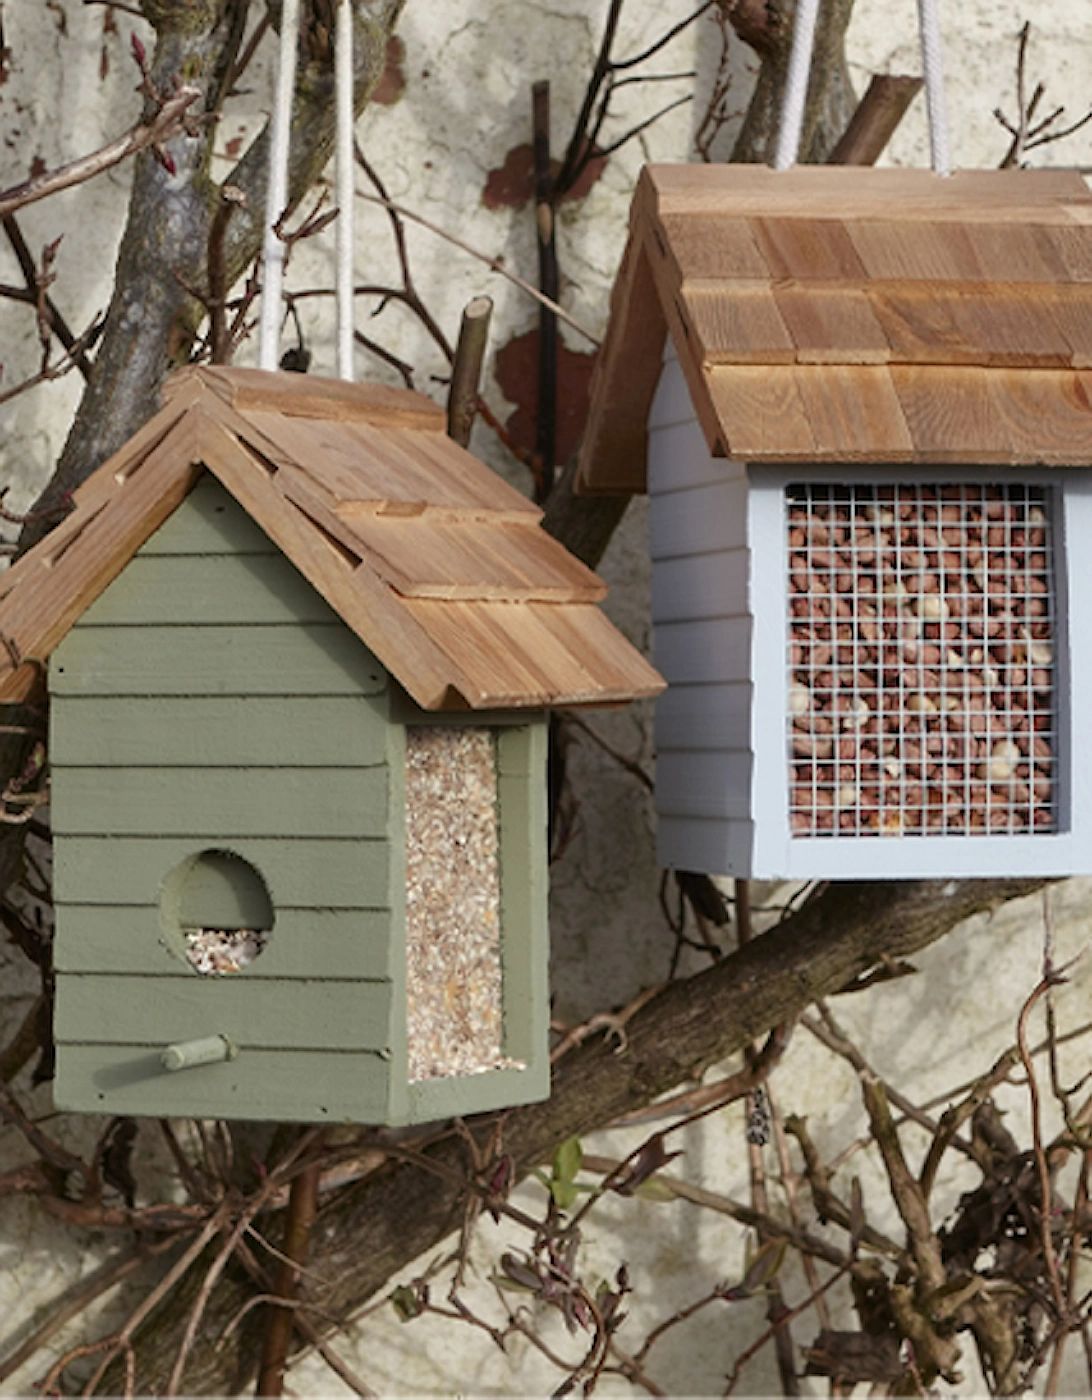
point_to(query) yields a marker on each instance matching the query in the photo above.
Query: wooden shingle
(832, 314)
(436, 564)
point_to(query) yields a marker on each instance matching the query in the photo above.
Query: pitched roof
(439, 567)
(833, 314)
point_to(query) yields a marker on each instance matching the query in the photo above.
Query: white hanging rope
(269, 326)
(796, 84)
(343, 177)
(929, 24)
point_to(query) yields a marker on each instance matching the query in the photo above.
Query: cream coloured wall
(467, 101)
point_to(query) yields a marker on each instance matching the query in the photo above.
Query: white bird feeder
(868, 451)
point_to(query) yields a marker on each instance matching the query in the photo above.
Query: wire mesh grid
(921, 654)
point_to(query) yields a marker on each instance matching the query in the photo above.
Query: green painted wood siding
(211, 700)
(301, 874)
(232, 801)
(263, 1085)
(268, 1014)
(331, 944)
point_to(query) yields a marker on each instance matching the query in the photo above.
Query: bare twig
(120, 1342)
(716, 114)
(802, 1240)
(109, 1276)
(167, 122)
(409, 293)
(220, 344)
(495, 264)
(57, 322)
(629, 764)
(776, 1329)
(1042, 1166)
(1025, 134)
(55, 370)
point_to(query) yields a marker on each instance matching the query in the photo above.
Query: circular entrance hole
(217, 912)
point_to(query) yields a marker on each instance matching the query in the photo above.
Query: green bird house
(300, 649)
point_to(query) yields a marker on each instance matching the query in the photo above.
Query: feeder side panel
(210, 701)
(703, 638)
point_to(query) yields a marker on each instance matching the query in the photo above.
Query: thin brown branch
(388, 357)
(630, 765)
(1025, 134)
(121, 1341)
(617, 144)
(582, 127)
(788, 1180)
(47, 1148)
(905, 1189)
(802, 1240)
(24, 1044)
(1042, 1165)
(336, 1363)
(168, 122)
(494, 264)
(242, 63)
(711, 1098)
(409, 293)
(829, 1033)
(45, 375)
(57, 322)
(215, 1269)
(109, 1276)
(220, 345)
(777, 1329)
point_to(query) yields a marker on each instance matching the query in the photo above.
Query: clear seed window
(453, 931)
(921, 653)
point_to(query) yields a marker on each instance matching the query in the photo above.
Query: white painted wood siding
(703, 638)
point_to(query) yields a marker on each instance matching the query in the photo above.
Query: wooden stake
(548, 280)
(874, 122)
(466, 371)
(302, 1209)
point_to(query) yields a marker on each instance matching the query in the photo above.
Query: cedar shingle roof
(838, 314)
(439, 567)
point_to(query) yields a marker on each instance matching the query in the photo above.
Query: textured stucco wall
(468, 70)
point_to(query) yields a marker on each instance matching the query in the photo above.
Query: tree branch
(167, 123)
(365, 1235)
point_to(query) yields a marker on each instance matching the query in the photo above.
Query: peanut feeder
(867, 447)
